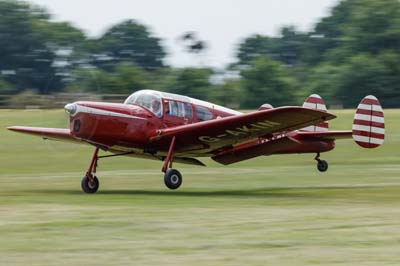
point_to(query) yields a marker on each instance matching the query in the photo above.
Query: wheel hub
(91, 184)
(174, 179)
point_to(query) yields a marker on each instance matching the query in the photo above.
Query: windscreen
(150, 101)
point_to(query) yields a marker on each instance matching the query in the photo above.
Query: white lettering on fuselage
(241, 131)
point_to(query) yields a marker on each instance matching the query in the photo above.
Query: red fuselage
(128, 128)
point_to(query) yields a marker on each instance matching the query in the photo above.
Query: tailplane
(369, 123)
(315, 102)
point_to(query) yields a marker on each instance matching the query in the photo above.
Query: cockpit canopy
(151, 100)
(177, 105)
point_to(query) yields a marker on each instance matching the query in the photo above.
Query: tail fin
(369, 124)
(315, 102)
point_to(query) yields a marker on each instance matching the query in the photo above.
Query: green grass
(276, 210)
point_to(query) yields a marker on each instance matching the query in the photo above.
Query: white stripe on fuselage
(91, 110)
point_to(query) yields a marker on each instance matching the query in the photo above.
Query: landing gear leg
(172, 177)
(322, 165)
(90, 183)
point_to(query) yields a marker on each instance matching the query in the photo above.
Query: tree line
(353, 51)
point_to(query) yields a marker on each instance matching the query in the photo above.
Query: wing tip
(14, 128)
(19, 129)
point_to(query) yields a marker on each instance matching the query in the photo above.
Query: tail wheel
(90, 186)
(173, 179)
(322, 165)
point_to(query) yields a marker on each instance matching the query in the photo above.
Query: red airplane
(174, 128)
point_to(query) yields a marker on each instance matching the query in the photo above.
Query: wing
(205, 137)
(62, 134)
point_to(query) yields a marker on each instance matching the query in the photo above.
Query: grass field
(275, 210)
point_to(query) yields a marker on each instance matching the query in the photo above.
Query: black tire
(322, 166)
(90, 187)
(172, 179)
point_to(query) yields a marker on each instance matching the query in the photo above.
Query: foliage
(193, 82)
(123, 79)
(378, 75)
(230, 94)
(132, 42)
(24, 57)
(267, 81)
(256, 46)
(26, 98)
(288, 48)
(352, 52)
(6, 87)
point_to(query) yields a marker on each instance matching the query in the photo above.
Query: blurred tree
(62, 34)
(6, 87)
(266, 81)
(131, 42)
(364, 74)
(355, 52)
(256, 46)
(124, 79)
(35, 52)
(87, 79)
(229, 93)
(163, 79)
(291, 45)
(374, 26)
(26, 98)
(355, 26)
(323, 80)
(25, 59)
(288, 48)
(69, 46)
(193, 82)
(130, 78)
(328, 33)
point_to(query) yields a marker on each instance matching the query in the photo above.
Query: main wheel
(90, 187)
(322, 165)
(173, 179)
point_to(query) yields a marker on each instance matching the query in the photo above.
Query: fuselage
(126, 127)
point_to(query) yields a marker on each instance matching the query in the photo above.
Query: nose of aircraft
(70, 108)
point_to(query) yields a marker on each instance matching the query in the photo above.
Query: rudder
(369, 123)
(316, 102)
